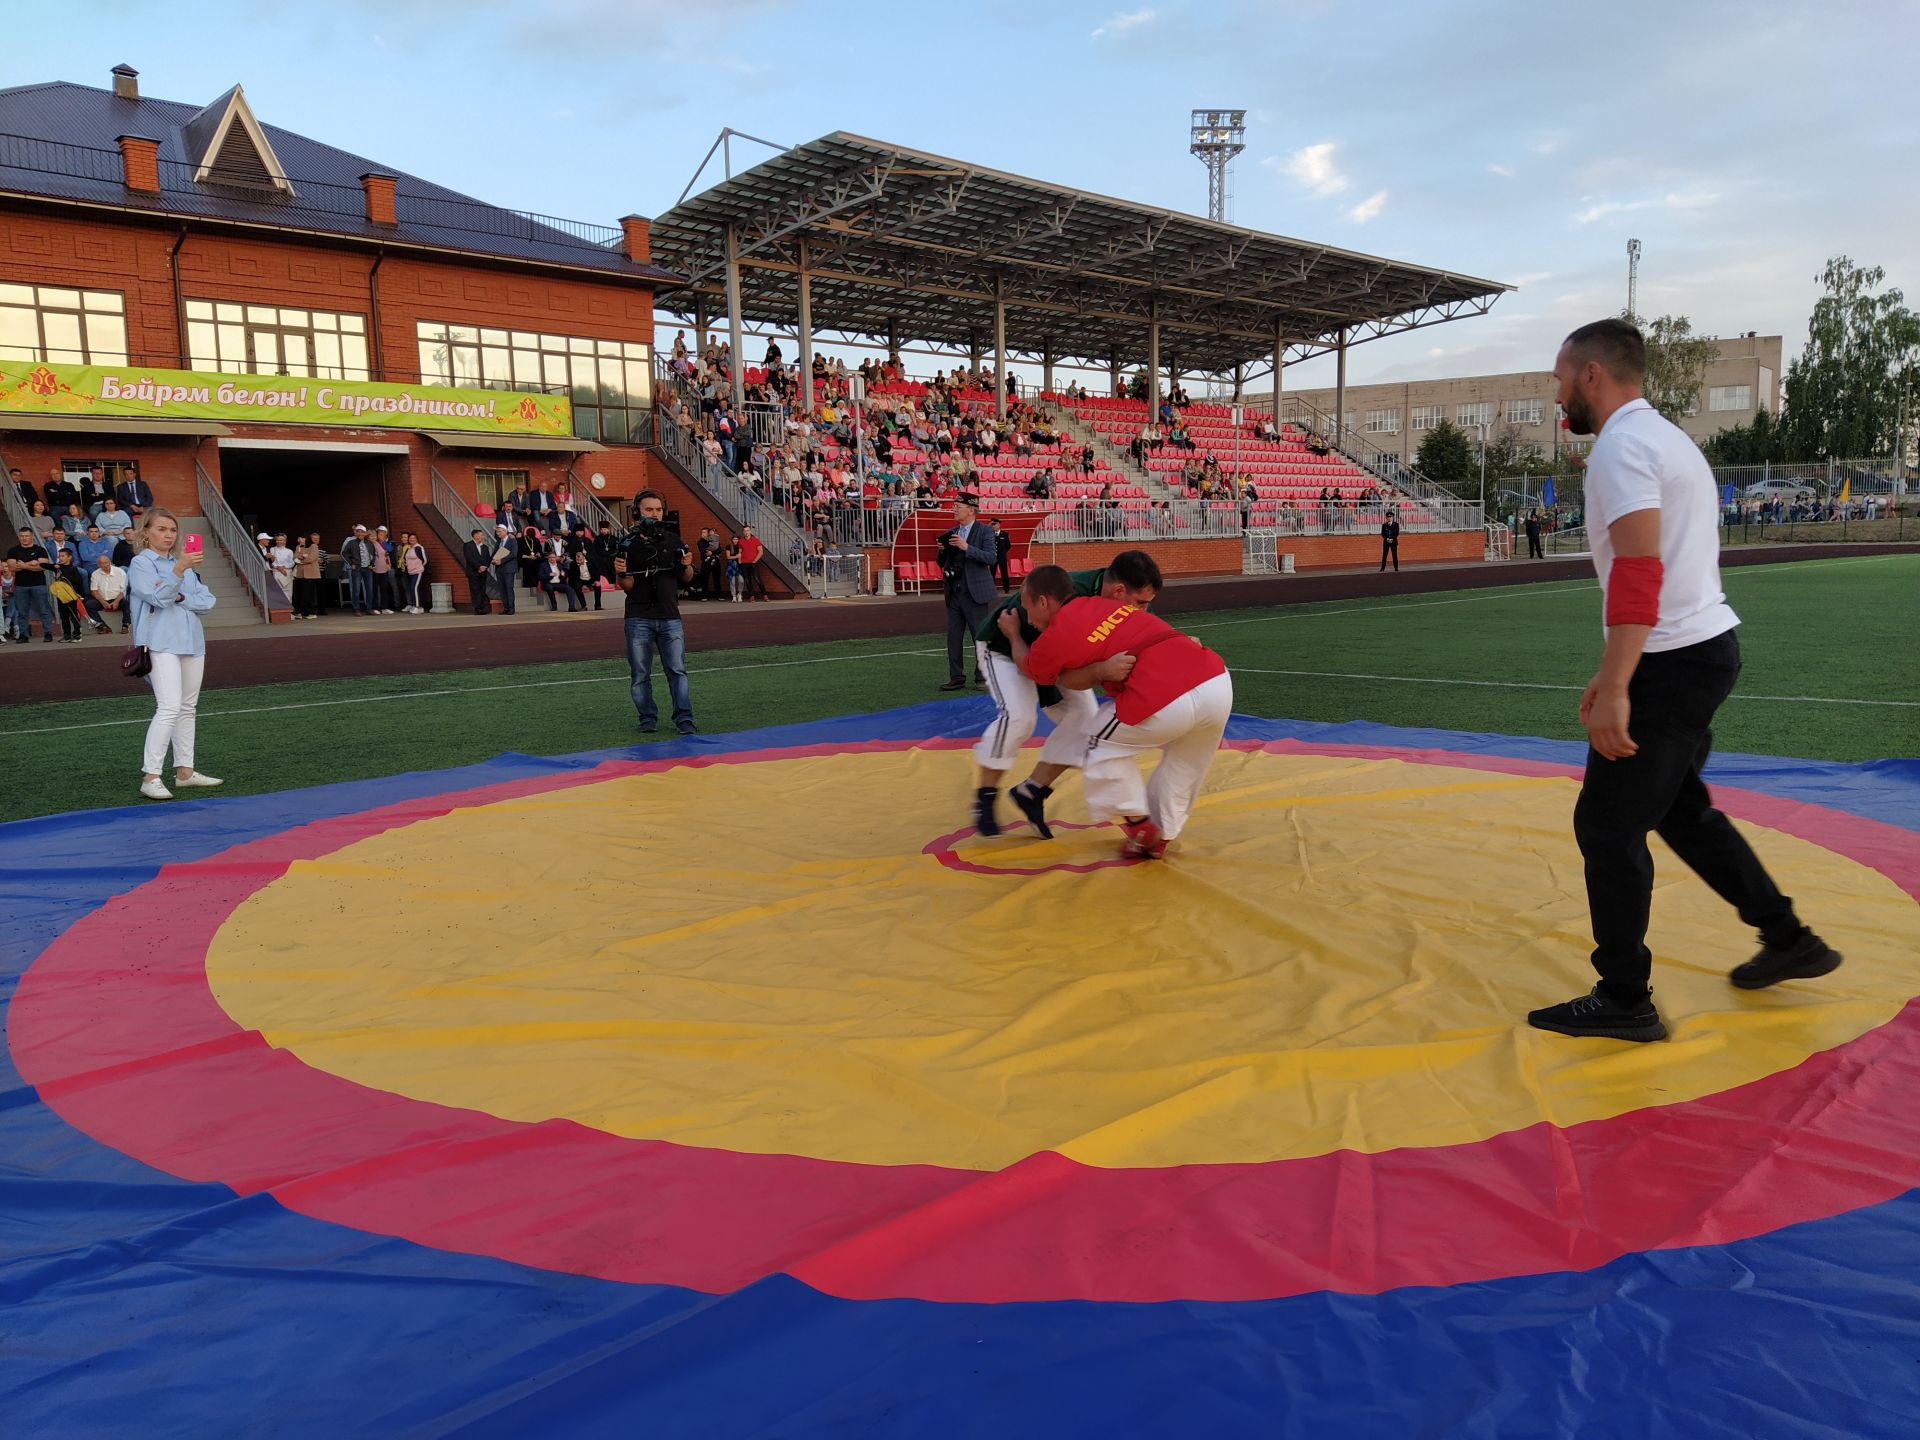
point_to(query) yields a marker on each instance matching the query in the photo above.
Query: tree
(1863, 350)
(1677, 362)
(1764, 442)
(1508, 454)
(1447, 458)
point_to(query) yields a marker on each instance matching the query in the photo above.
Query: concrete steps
(236, 610)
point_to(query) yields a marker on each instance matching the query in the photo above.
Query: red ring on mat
(115, 1026)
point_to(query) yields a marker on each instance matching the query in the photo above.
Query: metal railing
(776, 530)
(1384, 464)
(241, 549)
(458, 513)
(28, 156)
(18, 515)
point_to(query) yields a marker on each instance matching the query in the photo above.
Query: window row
(64, 326)
(277, 340)
(610, 382)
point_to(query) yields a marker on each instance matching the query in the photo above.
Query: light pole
(1483, 426)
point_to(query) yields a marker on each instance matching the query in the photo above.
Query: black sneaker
(954, 685)
(1032, 801)
(1805, 958)
(1594, 1014)
(984, 820)
(689, 729)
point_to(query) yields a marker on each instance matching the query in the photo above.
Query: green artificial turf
(1837, 629)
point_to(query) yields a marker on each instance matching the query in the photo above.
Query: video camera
(653, 550)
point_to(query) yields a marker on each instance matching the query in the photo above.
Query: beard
(1579, 414)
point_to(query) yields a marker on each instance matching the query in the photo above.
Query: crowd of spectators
(68, 567)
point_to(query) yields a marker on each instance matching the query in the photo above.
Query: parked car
(1788, 490)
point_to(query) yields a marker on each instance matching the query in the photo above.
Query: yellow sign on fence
(36, 388)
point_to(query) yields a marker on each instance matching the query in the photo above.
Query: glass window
(1426, 417)
(1476, 414)
(609, 382)
(1730, 397)
(1526, 412)
(1383, 422)
(267, 340)
(71, 327)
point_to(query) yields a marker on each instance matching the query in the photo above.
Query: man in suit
(476, 558)
(1534, 551)
(94, 492)
(1002, 555)
(24, 487)
(133, 492)
(1390, 541)
(967, 558)
(505, 559)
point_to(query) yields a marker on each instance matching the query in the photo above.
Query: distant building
(1396, 417)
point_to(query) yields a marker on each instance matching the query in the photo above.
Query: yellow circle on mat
(759, 957)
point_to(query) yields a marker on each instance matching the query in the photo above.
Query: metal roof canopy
(904, 245)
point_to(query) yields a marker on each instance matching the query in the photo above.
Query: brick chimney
(639, 245)
(379, 192)
(126, 82)
(140, 162)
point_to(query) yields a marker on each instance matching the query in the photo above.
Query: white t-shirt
(107, 585)
(1643, 461)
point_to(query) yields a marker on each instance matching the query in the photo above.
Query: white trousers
(176, 696)
(1187, 733)
(1019, 702)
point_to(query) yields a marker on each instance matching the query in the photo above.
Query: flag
(1726, 495)
(1546, 495)
(1846, 490)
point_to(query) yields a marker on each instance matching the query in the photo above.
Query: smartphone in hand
(191, 547)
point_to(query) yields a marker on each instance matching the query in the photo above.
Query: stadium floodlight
(1218, 136)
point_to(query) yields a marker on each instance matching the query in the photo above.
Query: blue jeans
(29, 602)
(360, 590)
(644, 637)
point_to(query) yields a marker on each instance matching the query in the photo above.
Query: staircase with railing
(1384, 465)
(1116, 457)
(732, 495)
(17, 512)
(262, 592)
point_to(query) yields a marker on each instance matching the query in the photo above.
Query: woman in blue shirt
(167, 599)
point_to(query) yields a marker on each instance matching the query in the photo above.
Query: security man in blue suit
(968, 553)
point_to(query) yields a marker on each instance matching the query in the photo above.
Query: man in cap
(967, 557)
(356, 557)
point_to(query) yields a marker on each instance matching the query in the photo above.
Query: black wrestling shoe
(984, 820)
(1805, 958)
(1593, 1014)
(1032, 802)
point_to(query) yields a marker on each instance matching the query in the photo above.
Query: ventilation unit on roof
(229, 151)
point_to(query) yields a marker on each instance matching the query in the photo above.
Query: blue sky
(1741, 143)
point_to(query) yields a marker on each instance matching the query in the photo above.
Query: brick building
(140, 237)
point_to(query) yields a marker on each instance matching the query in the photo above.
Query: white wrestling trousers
(1019, 702)
(1187, 733)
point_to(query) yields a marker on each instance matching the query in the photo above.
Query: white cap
(263, 535)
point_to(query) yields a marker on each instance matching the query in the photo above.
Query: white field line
(1303, 613)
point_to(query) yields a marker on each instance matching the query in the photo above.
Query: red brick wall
(1323, 552)
(165, 464)
(1174, 557)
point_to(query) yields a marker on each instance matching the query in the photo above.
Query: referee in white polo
(1670, 660)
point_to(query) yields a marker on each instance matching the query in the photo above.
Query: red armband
(1633, 590)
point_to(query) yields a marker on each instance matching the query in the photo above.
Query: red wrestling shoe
(1143, 840)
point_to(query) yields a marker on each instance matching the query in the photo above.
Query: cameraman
(654, 567)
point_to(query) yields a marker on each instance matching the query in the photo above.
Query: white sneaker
(197, 781)
(154, 790)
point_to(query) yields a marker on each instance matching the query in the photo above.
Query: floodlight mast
(1218, 136)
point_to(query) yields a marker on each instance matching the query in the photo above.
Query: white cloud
(1549, 143)
(1532, 277)
(1600, 209)
(1123, 21)
(1313, 166)
(1368, 208)
(1505, 172)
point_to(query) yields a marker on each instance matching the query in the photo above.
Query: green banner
(104, 391)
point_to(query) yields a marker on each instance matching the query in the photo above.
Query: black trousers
(965, 616)
(477, 585)
(1003, 571)
(1389, 550)
(1534, 552)
(1673, 696)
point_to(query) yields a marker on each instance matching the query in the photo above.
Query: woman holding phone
(167, 599)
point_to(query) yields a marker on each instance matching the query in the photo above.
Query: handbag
(136, 663)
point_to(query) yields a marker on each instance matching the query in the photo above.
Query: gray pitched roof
(60, 140)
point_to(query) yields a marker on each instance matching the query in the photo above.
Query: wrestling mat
(731, 1088)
